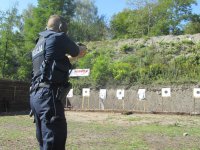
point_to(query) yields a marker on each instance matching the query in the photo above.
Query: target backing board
(141, 94)
(166, 92)
(70, 94)
(86, 92)
(196, 92)
(120, 94)
(102, 94)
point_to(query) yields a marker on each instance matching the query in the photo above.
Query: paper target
(86, 92)
(196, 92)
(141, 94)
(70, 94)
(120, 94)
(102, 94)
(166, 92)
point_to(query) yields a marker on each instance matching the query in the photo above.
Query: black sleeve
(70, 46)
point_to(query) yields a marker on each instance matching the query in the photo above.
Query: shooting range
(157, 99)
(133, 67)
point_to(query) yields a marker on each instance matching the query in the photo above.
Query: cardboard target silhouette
(86, 93)
(102, 94)
(196, 95)
(196, 92)
(70, 94)
(141, 94)
(166, 92)
(102, 97)
(120, 94)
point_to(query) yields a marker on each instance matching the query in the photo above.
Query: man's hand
(82, 49)
(82, 52)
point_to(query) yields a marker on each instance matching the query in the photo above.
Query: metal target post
(194, 106)
(86, 93)
(166, 93)
(102, 98)
(88, 102)
(120, 96)
(142, 98)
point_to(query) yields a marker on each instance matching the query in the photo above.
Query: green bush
(100, 71)
(121, 71)
(126, 48)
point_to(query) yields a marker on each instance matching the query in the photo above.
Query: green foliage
(40, 14)
(119, 24)
(87, 25)
(193, 26)
(126, 48)
(121, 71)
(111, 62)
(100, 72)
(153, 18)
(12, 43)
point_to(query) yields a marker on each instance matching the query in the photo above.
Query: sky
(105, 7)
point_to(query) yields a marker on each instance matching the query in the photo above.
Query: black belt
(43, 84)
(39, 85)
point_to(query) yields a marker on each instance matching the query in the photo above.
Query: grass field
(108, 131)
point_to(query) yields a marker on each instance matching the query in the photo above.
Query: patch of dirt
(155, 141)
(134, 119)
(161, 142)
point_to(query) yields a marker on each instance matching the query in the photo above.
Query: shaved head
(57, 24)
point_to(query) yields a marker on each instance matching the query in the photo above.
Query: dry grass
(104, 131)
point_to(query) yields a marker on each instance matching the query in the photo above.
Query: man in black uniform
(50, 83)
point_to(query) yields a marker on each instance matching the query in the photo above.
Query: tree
(11, 43)
(152, 18)
(179, 11)
(193, 26)
(119, 24)
(40, 14)
(87, 25)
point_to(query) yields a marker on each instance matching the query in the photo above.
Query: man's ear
(63, 27)
(60, 27)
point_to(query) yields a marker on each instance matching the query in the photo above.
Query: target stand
(196, 95)
(86, 94)
(166, 93)
(120, 96)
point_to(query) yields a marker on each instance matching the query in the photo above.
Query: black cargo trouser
(51, 125)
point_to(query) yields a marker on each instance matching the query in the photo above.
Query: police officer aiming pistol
(50, 82)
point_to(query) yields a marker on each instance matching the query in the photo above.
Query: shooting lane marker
(142, 98)
(102, 98)
(86, 93)
(120, 96)
(196, 95)
(79, 72)
(166, 93)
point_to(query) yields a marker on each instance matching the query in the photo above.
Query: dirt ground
(106, 131)
(181, 139)
(139, 119)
